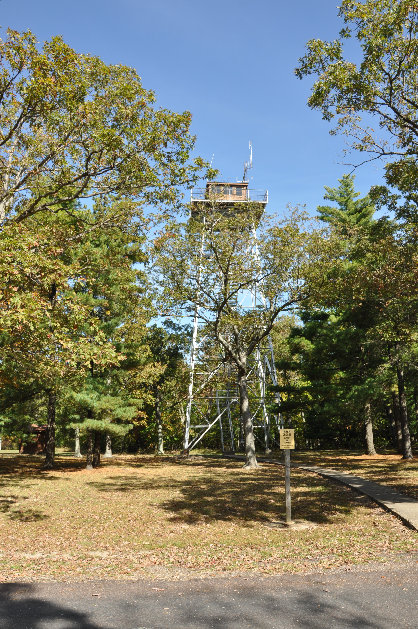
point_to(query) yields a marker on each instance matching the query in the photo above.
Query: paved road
(382, 598)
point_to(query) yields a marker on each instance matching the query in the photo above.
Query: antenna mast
(248, 165)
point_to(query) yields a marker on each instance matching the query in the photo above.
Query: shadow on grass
(244, 497)
(23, 466)
(391, 470)
(18, 472)
(29, 465)
(203, 490)
(8, 506)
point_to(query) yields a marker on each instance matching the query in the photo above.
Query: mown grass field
(169, 517)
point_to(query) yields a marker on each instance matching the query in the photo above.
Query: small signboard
(287, 439)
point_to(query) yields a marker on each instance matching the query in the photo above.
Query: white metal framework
(213, 400)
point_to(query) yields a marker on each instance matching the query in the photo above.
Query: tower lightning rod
(248, 165)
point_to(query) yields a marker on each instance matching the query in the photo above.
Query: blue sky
(231, 64)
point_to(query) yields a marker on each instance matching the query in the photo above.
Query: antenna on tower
(248, 165)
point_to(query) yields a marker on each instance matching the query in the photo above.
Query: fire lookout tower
(212, 396)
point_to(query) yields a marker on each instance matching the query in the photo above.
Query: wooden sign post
(287, 443)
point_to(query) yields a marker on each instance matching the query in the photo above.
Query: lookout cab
(228, 197)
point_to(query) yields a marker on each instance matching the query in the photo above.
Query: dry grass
(174, 518)
(387, 469)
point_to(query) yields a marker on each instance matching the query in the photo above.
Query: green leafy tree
(168, 346)
(113, 288)
(48, 333)
(352, 216)
(343, 350)
(215, 270)
(293, 386)
(373, 289)
(99, 409)
(343, 370)
(381, 86)
(73, 127)
(350, 211)
(386, 276)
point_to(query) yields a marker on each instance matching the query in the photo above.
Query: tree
(382, 85)
(351, 216)
(113, 290)
(48, 331)
(373, 288)
(375, 295)
(100, 410)
(350, 211)
(167, 346)
(62, 295)
(220, 262)
(344, 378)
(386, 276)
(73, 128)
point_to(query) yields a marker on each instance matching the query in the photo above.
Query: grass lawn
(387, 469)
(168, 517)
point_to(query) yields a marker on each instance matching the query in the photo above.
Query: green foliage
(340, 363)
(381, 85)
(73, 128)
(343, 372)
(219, 274)
(83, 151)
(96, 409)
(350, 211)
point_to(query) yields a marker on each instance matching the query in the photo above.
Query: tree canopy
(73, 128)
(381, 85)
(84, 153)
(241, 279)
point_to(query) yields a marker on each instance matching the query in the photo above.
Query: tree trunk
(403, 414)
(160, 439)
(241, 438)
(89, 455)
(397, 421)
(182, 415)
(391, 421)
(251, 460)
(369, 429)
(50, 434)
(96, 448)
(77, 451)
(267, 448)
(108, 452)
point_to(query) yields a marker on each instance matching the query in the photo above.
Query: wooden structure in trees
(35, 442)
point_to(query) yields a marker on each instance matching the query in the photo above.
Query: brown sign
(287, 439)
